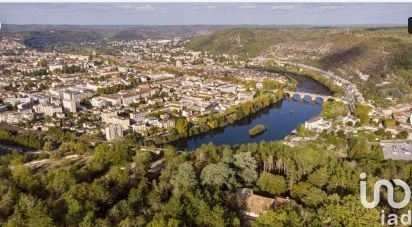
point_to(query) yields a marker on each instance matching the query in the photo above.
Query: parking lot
(397, 150)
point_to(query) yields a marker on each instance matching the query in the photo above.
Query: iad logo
(389, 188)
(387, 219)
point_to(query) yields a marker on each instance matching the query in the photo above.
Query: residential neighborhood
(104, 97)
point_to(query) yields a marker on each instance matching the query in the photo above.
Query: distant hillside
(378, 59)
(250, 42)
(45, 39)
(47, 36)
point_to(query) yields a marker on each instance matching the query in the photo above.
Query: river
(280, 119)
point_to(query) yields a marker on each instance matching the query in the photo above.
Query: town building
(69, 106)
(318, 124)
(48, 110)
(255, 205)
(113, 131)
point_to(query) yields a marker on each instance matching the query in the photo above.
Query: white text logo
(389, 188)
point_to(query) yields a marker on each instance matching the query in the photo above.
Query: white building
(112, 118)
(161, 76)
(139, 127)
(93, 86)
(99, 102)
(13, 101)
(16, 117)
(317, 124)
(166, 124)
(105, 116)
(115, 100)
(48, 110)
(130, 97)
(244, 96)
(179, 64)
(227, 88)
(113, 131)
(54, 67)
(137, 116)
(75, 93)
(152, 121)
(70, 106)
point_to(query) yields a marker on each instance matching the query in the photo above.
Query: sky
(206, 13)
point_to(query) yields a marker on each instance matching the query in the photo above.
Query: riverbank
(220, 120)
(314, 75)
(281, 118)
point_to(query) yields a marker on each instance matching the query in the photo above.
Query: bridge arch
(319, 100)
(330, 99)
(307, 98)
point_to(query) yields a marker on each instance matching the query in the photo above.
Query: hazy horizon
(223, 25)
(225, 14)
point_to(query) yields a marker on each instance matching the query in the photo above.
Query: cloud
(146, 7)
(331, 6)
(128, 6)
(204, 6)
(282, 7)
(247, 6)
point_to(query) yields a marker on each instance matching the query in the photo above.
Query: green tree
(360, 148)
(218, 175)
(24, 178)
(246, 167)
(331, 110)
(271, 218)
(319, 177)
(116, 154)
(59, 181)
(183, 178)
(182, 126)
(30, 212)
(274, 184)
(362, 112)
(48, 146)
(313, 197)
(348, 212)
(402, 135)
(270, 84)
(389, 123)
(308, 194)
(301, 130)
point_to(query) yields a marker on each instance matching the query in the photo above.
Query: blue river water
(280, 120)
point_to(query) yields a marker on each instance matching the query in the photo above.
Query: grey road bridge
(312, 96)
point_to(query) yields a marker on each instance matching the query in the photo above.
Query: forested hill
(46, 36)
(371, 57)
(250, 42)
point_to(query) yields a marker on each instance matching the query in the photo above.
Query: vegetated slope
(248, 42)
(49, 36)
(44, 39)
(379, 57)
(378, 60)
(162, 32)
(128, 35)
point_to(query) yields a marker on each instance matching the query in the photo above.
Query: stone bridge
(312, 96)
